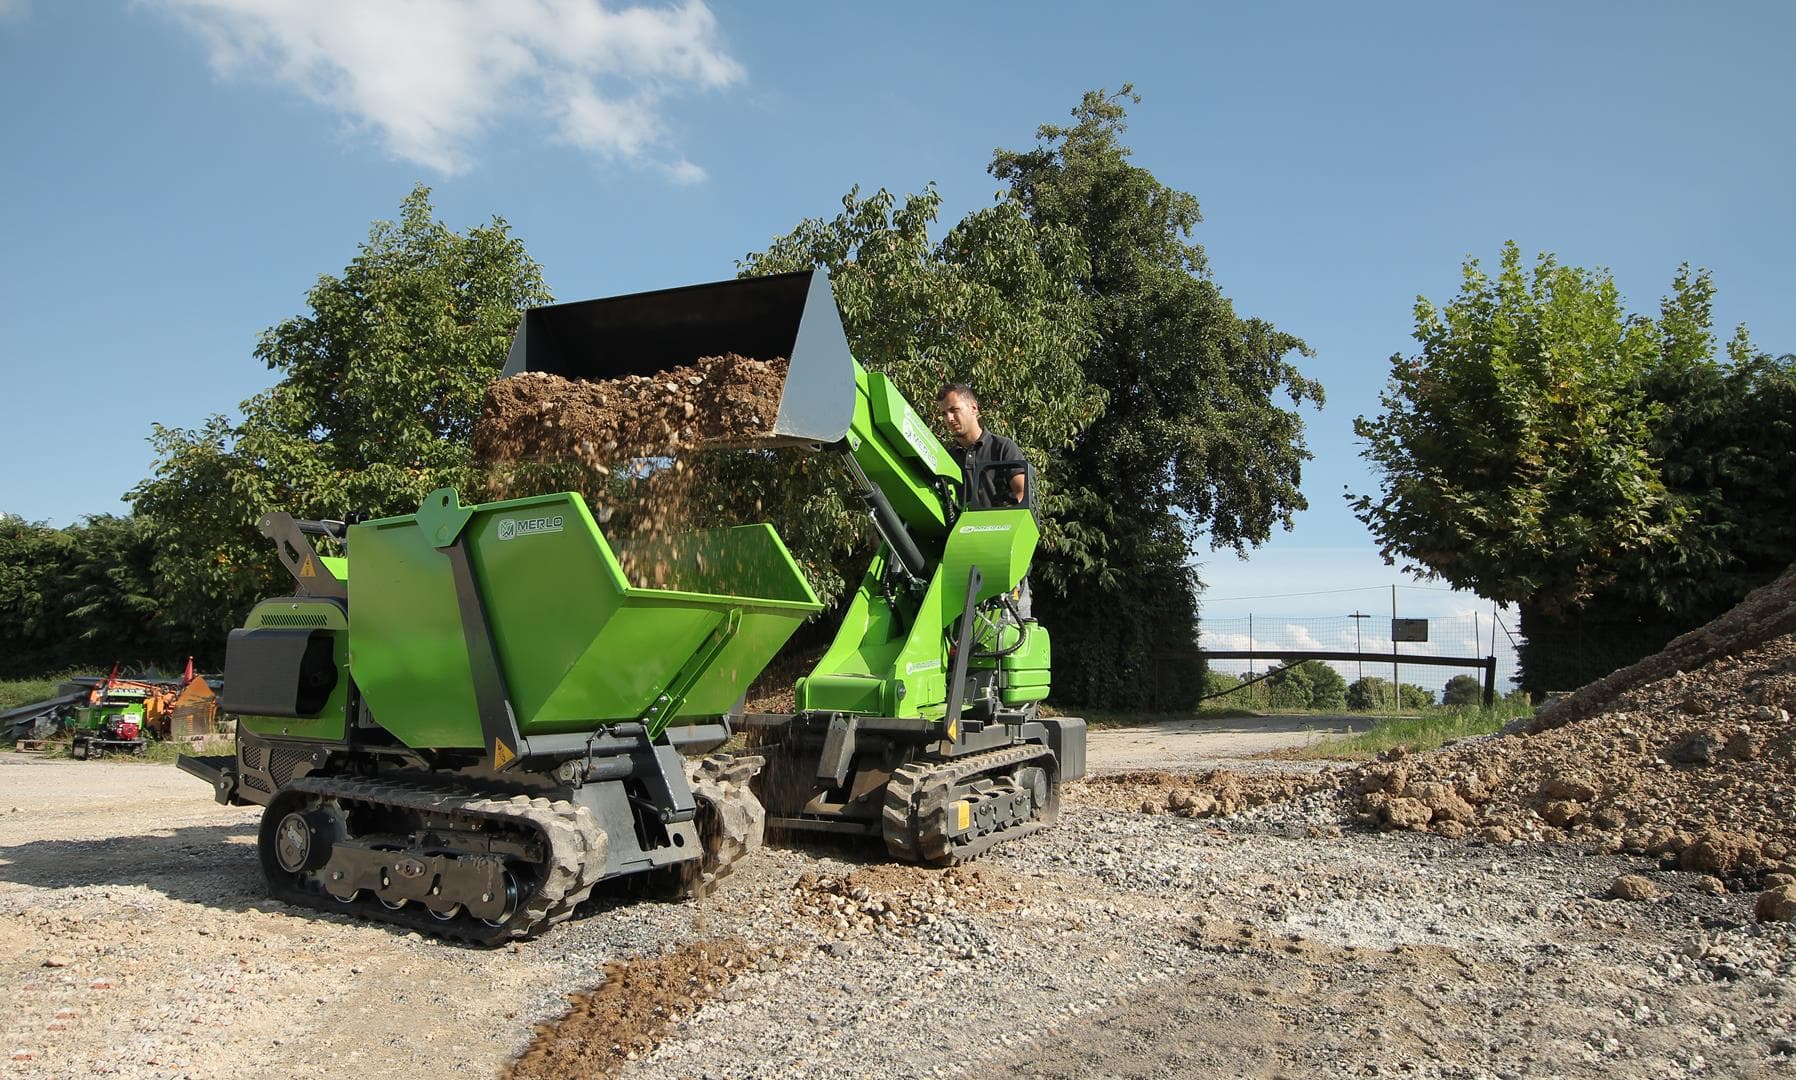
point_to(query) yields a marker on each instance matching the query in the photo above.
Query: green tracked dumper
(472, 718)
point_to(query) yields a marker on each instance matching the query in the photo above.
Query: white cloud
(429, 77)
(685, 172)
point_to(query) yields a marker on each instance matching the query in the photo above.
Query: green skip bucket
(578, 645)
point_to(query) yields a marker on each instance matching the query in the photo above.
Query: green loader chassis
(931, 798)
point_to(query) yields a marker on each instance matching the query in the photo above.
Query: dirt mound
(632, 1010)
(896, 899)
(1216, 793)
(1766, 613)
(1697, 765)
(630, 446)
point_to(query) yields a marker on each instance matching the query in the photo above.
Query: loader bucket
(791, 317)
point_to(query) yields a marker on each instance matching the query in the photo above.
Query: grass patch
(17, 692)
(156, 752)
(1424, 731)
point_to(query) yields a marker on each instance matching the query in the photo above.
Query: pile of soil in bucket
(632, 446)
(718, 400)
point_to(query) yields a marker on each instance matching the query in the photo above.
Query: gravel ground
(135, 941)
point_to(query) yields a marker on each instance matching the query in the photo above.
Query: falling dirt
(633, 447)
(631, 1012)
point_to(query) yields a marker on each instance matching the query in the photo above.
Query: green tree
(1370, 692)
(380, 385)
(995, 287)
(1511, 454)
(31, 560)
(1193, 438)
(1308, 684)
(1462, 690)
(1606, 471)
(1222, 688)
(80, 597)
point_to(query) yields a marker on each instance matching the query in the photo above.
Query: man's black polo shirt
(994, 484)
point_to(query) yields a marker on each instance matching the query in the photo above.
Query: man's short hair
(960, 388)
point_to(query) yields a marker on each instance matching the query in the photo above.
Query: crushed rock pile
(898, 899)
(1766, 613)
(1699, 766)
(1688, 756)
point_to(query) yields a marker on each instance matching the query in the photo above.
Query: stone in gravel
(1493, 834)
(1720, 853)
(1776, 905)
(1694, 748)
(1711, 885)
(57, 961)
(1741, 746)
(1633, 887)
(1442, 801)
(1564, 787)
(1561, 812)
(1778, 879)
(1406, 813)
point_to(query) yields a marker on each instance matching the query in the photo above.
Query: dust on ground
(1196, 743)
(638, 1001)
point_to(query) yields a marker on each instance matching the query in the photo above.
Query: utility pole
(1396, 679)
(1358, 646)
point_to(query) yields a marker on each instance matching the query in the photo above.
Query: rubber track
(575, 843)
(915, 816)
(740, 825)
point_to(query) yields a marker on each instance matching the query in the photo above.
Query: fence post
(1490, 680)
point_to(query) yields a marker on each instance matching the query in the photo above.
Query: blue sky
(176, 174)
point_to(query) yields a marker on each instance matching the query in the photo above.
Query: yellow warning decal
(502, 754)
(954, 729)
(306, 569)
(963, 815)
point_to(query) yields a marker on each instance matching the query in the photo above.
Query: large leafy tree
(1609, 472)
(993, 303)
(80, 597)
(1307, 684)
(380, 385)
(1512, 449)
(1201, 436)
(1462, 690)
